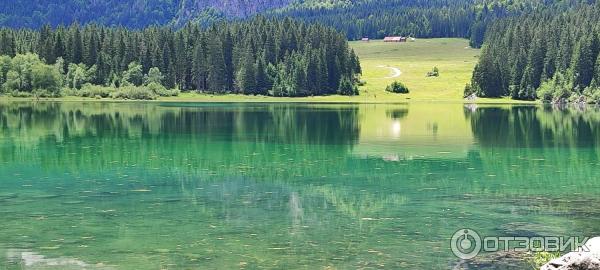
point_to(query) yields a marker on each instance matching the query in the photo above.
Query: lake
(278, 186)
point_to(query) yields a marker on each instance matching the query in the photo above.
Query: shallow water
(274, 186)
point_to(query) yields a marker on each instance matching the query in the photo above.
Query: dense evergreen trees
(376, 19)
(261, 56)
(128, 13)
(550, 54)
(357, 18)
(418, 18)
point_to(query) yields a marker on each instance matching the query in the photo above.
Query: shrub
(89, 90)
(539, 259)
(45, 93)
(65, 92)
(397, 87)
(20, 94)
(592, 95)
(469, 91)
(133, 92)
(434, 73)
(162, 91)
(556, 90)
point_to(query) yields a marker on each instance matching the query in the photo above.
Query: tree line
(279, 57)
(552, 55)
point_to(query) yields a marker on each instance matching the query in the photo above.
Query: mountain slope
(356, 18)
(128, 13)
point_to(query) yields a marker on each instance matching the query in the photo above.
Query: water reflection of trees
(533, 150)
(157, 136)
(534, 126)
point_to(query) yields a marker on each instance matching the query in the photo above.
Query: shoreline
(206, 98)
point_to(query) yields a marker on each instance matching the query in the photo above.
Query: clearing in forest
(384, 63)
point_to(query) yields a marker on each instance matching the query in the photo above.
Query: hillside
(129, 13)
(355, 18)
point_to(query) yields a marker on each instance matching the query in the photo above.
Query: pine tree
(312, 74)
(246, 78)
(168, 65)
(76, 46)
(596, 79)
(263, 83)
(199, 66)
(91, 55)
(180, 61)
(270, 49)
(217, 79)
(485, 81)
(228, 59)
(582, 67)
(533, 72)
(355, 63)
(299, 79)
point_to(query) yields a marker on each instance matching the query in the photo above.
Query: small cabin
(394, 39)
(365, 39)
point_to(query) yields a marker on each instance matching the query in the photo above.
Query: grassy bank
(382, 64)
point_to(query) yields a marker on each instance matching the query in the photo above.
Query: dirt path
(396, 72)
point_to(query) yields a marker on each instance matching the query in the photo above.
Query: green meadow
(409, 63)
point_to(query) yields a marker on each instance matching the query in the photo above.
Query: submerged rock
(582, 260)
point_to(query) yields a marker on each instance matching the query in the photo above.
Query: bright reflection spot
(396, 128)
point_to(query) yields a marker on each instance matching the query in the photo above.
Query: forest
(128, 13)
(277, 57)
(358, 18)
(550, 55)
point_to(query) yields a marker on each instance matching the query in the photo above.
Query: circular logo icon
(466, 244)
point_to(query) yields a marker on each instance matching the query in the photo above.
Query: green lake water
(277, 186)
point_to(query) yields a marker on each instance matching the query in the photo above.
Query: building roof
(393, 38)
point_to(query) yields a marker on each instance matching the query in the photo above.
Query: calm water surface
(232, 186)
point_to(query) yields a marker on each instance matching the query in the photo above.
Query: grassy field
(380, 61)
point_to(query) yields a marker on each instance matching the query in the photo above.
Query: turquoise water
(274, 186)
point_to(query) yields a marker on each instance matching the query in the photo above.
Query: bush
(45, 93)
(66, 92)
(162, 91)
(556, 90)
(89, 90)
(539, 259)
(397, 87)
(20, 94)
(469, 91)
(434, 73)
(134, 92)
(592, 95)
